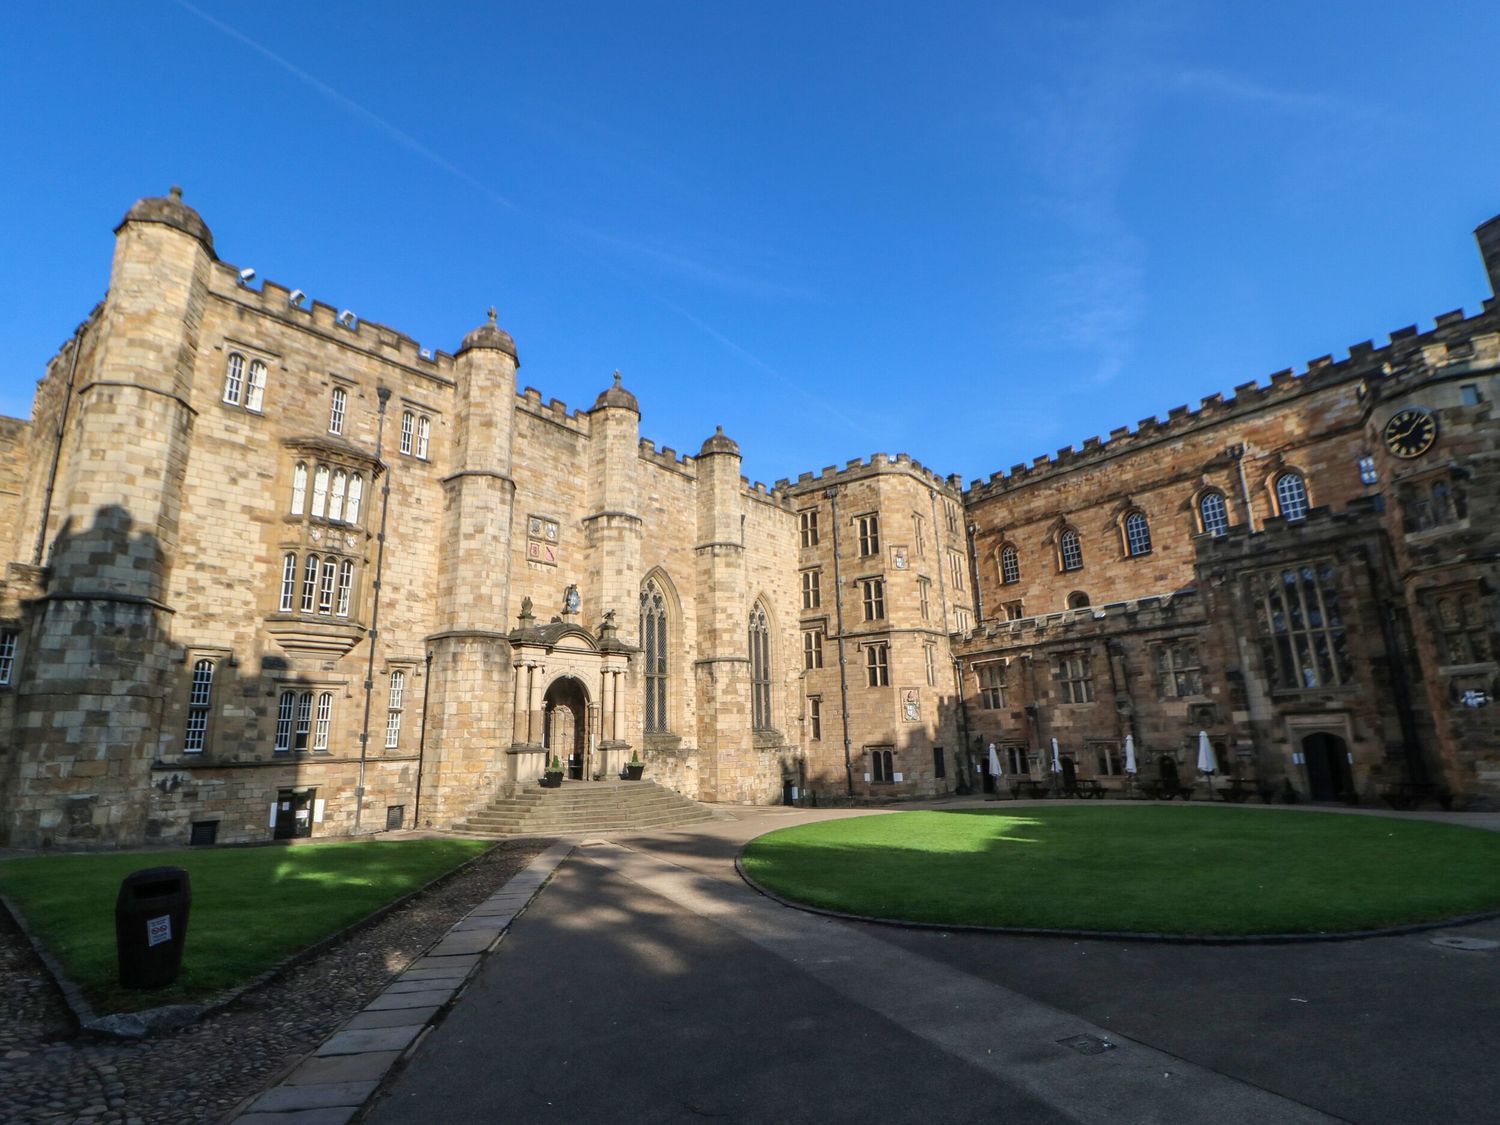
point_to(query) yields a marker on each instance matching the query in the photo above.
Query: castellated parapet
(1456, 342)
(289, 572)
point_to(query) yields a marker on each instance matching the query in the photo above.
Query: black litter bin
(151, 915)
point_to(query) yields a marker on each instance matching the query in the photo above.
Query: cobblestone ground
(48, 1073)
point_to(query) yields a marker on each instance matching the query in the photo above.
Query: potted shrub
(552, 779)
(634, 767)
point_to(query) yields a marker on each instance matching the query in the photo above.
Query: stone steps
(581, 807)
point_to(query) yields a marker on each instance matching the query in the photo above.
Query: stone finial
(169, 210)
(616, 395)
(490, 335)
(719, 443)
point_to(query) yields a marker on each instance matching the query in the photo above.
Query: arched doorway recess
(1326, 758)
(565, 730)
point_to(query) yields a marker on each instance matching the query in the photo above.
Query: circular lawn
(1138, 869)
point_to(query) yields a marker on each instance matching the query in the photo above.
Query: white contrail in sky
(406, 140)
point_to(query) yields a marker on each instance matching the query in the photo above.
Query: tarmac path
(648, 983)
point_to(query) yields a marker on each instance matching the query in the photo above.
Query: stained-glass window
(654, 647)
(760, 669)
(1301, 626)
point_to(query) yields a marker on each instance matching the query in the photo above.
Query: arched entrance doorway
(565, 729)
(1328, 775)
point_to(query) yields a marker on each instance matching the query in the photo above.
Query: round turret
(173, 212)
(720, 443)
(617, 396)
(490, 335)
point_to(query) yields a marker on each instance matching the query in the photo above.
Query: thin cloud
(396, 133)
(1082, 134)
(1247, 91)
(571, 240)
(695, 270)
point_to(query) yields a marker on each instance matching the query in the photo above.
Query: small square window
(204, 832)
(395, 817)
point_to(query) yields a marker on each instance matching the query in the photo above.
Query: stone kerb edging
(1109, 935)
(173, 1017)
(333, 1082)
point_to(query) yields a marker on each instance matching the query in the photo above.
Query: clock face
(1410, 433)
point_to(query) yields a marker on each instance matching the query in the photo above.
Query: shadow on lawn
(1133, 870)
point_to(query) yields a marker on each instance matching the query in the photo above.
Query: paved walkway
(648, 983)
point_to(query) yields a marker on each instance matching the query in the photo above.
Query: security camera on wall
(247, 275)
(295, 298)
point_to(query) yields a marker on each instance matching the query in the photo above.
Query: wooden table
(1237, 791)
(1026, 787)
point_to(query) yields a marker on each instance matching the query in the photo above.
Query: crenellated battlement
(1321, 522)
(857, 467)
(667, 457)
(555, 411)
(1169, 610)
(273, 299)
(1408, 355)
(759, 491)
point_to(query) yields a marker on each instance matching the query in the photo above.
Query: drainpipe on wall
(963, 788)
(416, 800)
(384, 394)
(1238, 453)
(62, 424)
(832, 496)
(940, 549)
(973, 529)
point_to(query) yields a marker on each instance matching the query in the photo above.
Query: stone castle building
(277, 571)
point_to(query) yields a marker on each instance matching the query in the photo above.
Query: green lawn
(1150, 868)
(251, 907)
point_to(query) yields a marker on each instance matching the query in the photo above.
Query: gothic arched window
(1010, 564)
(1215, 513)
(1070, 550)
(760, 669)
(1137, 534)
(654, 647)
(1291, 496)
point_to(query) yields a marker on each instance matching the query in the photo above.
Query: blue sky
(970, 232)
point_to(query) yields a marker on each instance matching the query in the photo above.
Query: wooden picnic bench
(1165, 791)
(1027, 787)
(1088, 788)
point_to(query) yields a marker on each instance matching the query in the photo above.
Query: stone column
(519, 696)
(535, 718)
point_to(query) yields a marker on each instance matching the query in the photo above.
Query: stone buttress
(472, 685)
(101, 656)
(722, 671)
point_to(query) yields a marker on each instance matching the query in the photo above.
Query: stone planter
(632, 771)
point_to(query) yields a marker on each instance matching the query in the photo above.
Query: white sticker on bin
(158, 930)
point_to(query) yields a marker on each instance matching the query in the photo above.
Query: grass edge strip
(1109, 935)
